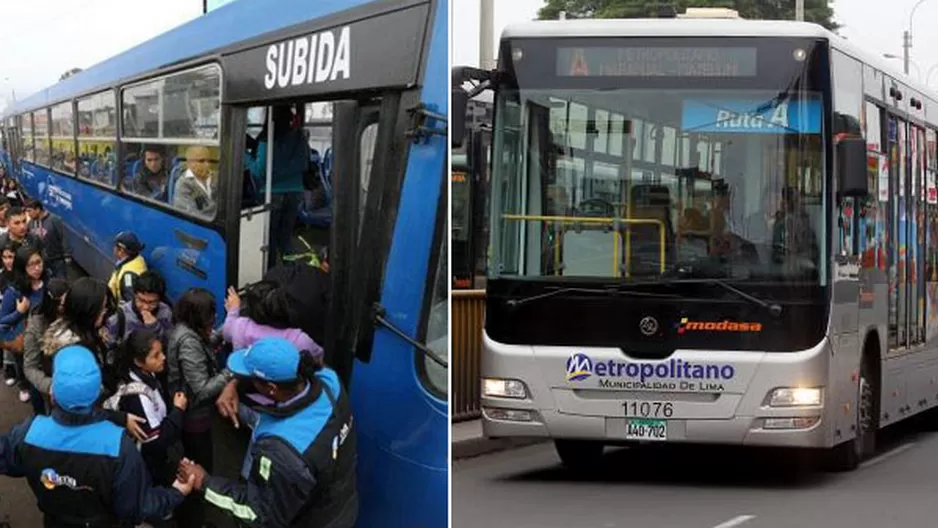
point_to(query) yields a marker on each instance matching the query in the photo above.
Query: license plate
(651, 430)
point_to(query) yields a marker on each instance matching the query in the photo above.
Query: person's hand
(133, 427)
(22, 305)
(232, 301)
(190, 470)
(180, 401)
(227, 402)
(185, 486)
(148, 318)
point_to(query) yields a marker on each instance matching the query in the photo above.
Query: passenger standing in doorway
(290, 160)
(49, 229)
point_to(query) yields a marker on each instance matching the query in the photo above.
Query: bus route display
(634, 61)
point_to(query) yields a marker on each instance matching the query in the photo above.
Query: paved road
(699, 487)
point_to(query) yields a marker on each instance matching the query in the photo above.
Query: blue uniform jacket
(133, 497)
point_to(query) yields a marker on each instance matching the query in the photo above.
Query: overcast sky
(875, 25)
(42, 39)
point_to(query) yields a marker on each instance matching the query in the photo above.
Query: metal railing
(468, 313)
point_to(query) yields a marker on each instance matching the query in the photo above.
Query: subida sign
(318, 58)
(356, 51)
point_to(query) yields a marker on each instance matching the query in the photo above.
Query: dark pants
(283, 211)
(197, 448)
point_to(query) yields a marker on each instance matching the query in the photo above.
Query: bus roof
(226, 26)
(664, 27)
(694, 27)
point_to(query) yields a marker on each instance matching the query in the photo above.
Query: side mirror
(852, 172)
(459, 101)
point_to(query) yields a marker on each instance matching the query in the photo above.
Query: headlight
(795, 397)
(504, 388)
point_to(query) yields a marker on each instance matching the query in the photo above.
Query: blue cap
(270, 359)
(76, 379)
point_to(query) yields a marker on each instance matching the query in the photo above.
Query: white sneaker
(10, 382)
(24, 396)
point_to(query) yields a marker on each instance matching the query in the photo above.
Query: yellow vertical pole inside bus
(628, 197)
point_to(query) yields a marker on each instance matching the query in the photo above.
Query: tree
(817, 11)
(69, 73)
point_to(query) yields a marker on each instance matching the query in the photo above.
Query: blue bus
(199, 95)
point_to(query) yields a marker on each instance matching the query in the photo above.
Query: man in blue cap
(303, 447)
(82, 468)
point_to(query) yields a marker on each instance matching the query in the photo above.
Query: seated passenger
(195, 191)
(151, 178)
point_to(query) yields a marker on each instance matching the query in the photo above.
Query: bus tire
(580, 455)
(848, 455)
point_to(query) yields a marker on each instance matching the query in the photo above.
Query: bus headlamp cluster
(504, 388)
(795, 397)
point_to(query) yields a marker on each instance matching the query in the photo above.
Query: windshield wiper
(611, 290)
(773, 307)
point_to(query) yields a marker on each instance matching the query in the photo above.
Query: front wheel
(848, 455)
(580, 455)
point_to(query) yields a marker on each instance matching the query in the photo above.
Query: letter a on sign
(578, 64)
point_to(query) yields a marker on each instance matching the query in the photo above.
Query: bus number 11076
(648, 409)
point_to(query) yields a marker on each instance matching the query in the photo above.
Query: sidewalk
(468, 441)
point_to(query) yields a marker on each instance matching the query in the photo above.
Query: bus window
(171, 129)
(97, 137)
(63, 139)
(26, 123)
(367, 151)
(41, 131)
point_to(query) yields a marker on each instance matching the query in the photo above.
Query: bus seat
(179, 167)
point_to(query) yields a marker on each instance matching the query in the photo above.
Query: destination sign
(724, 115)
(717, 62)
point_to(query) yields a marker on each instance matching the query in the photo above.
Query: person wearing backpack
(139, 392)
(146, 311)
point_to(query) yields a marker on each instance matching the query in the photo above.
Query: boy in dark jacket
(49, 229)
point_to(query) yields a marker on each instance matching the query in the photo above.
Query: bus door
(254, 226)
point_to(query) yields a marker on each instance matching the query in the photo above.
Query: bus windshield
(640, 181)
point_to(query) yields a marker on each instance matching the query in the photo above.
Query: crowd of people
(125, 385)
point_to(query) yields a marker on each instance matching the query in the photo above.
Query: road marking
(735, 521)
(888, 454)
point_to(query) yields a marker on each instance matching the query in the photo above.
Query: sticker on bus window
(752, 116)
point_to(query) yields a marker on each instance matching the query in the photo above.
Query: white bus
(707, 231)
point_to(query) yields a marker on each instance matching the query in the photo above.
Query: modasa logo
(646, 374)
(686, 325)
(579, 367)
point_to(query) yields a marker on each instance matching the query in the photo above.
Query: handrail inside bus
(612, 222)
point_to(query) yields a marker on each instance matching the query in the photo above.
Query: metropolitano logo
(579, 367)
